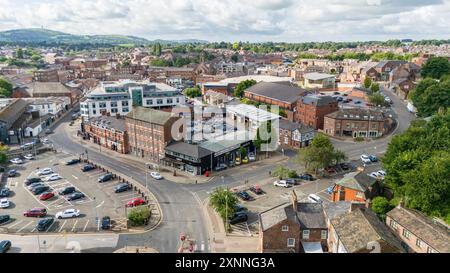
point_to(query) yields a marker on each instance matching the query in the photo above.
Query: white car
(53, 177)
(45, 171)
(27, 145)
(4, 203)
(314, 198)
(16, 161)
(156, 175)
(281, 183)
(46, 141)
(29, 157)
(381, 173)
(251, 157)
(68, 213)
(374, 175)
(365, 159)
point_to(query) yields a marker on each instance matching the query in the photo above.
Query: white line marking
(15, 224)
(98, 224)
(203, 247)
(48, 229)
(62, 226)
(24, 226)
(85, 226)
(101, 204)
(75, 177)
(74, 225)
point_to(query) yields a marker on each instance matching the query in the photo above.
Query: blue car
(244, 195)
(4, 192)
(373, 158)
(330, 189)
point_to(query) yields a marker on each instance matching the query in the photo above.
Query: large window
(285, 228)
(124, 103)
(406, 234)
(159, 101)
(393, 224)
(324, 235)
(305, 234)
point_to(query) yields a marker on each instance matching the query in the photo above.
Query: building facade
(311, 110)
(108, 132)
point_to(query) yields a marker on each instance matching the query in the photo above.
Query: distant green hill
(37, 35)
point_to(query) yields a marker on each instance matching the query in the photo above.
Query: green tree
(281, 172)
(367, 82)
(375, 87)
(19, 53)
(236, 46)
(157, 49)
(242, 86)
(193, 92)
(431, 95)
(5, 88)
(381, 206)
(159, 62)
(4, 154)
(435, 68)
(377, 99)
(139, 216)
(224, 203)
(243, 152)
(339, 156)
(235, 58)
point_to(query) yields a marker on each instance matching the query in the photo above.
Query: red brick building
(109, 132)
(356, 187)
(311, 110)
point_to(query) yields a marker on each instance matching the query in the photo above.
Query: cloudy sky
(233, 20)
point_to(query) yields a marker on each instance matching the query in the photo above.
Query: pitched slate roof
(357, 114)
(292, 126)
(276, 91)
(435, 235)
(315, 76)
(150, 115)
(13, 111)
(357, 180)
(48, 87)
(318, 100)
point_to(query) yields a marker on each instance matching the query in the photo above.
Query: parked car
(238, 161)
(156, 175)
(314, 198)
(245, 160)
(73, 161)
(67, 190)
(220, 167)
(122, 187)
(135, 202)
(5, 246)
(345, 166)
(373, 158)
(53, 177)
(87, 168)
(365, 159)
(16, 161)
(330, 189)
(12, 173)
(45, 171)
(46, 195)
(29, 157)
(48, 132)
(251, 157)
(46, 141)
(358, 102)
(75, 196)
(106, 223)
(4, 203)
(105, 178)
(281, 183)
(373, 175)
(40, 189)
(307, 177)
(35, 212)
(5, 192)
(68, 213)
(238, 217)
(291, 182)
(240, 207)
(32, 180)
(243, 195)
(27, 146)
(44, 224)
(35, 185)
(256, 189)
(381, 173)
(4, 218)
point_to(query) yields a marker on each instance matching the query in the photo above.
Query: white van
(314, 198)
(281, 183)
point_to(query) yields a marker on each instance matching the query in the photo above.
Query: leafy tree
(235, 46)
(339, 156)
(193, 92)
(19, 53)
(430, 95)
(367, 82)
(157, 49)
(435, 68)
(235, 58)
(377, 99)
(243, 152)
(240, 88)
(4, 154)
(281, 172)
(224, 202)
(375, 87)
(159, 62)
(139, 216)
(381, 206)
(5, 88)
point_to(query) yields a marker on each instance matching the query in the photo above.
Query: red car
(35, 212)
(46, 196)
(135, 202)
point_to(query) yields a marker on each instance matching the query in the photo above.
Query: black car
(238, 217)
(5, 246)
(4, 219)
(106, 222)
(105, 178)
(87, 168)
(240, 208)
(40, 189)
(345, 166)
(75, 196)
(5, 192)
(12, 173)
(32, 180)
(67, 190)
(44, 224)
(307, 177)
(73, 161)
(122, 187)
(243, 195)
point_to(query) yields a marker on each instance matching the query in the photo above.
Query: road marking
(62, 226)
(48, 229)
(98, 224)
(74, 225)
(101, 204)
(24, 227)
(203, 247)
(33, 230)
(85, 226)
(75, 177)
(16, 224)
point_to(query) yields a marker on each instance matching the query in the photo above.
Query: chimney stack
(294, 200)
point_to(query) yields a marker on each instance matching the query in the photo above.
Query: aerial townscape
(122, 144)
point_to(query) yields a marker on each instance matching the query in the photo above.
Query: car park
(12, 173)
(68, 213)
(40, 189)
(35, 212)
(5, 192)
(45, 171)
(105, 178)
(88, 167)
(4, 218)
(256, 189)
(67, 190)
(32, 180)
(365, 159)
(106, 223)
(135, 202)
(5, 246)
(281, 183)
(243, 195)
(16, 161)
(156, 175)
(238, 217)
(4, 203)
(75, 196)
(29, 157)
(46, 196)
(122, 188)
(314, 198)
(73, 161)
(53, 177)
(44, 224)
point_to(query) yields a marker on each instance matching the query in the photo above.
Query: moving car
(4, 218)
(238, 217)
(105, 178)
(4, 203)
(46, 195)
(156, 175)
(373, 158)
(281, 183)
(35, 212)
(45, 171)
(29, 157)
(53, 177)
(365, 159)
(135, 202)
(243, 195)
(67, 190)
(256, 189)
(106, 222)
(32, 180)
(87, 168)
(44, 224)
(122, 187)
(73, 161)
(5, 246)
(68, 213)
(16, 161)
(12, 173)
(40, 189)
(5, 192)
(314, 198)
(75, 196)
